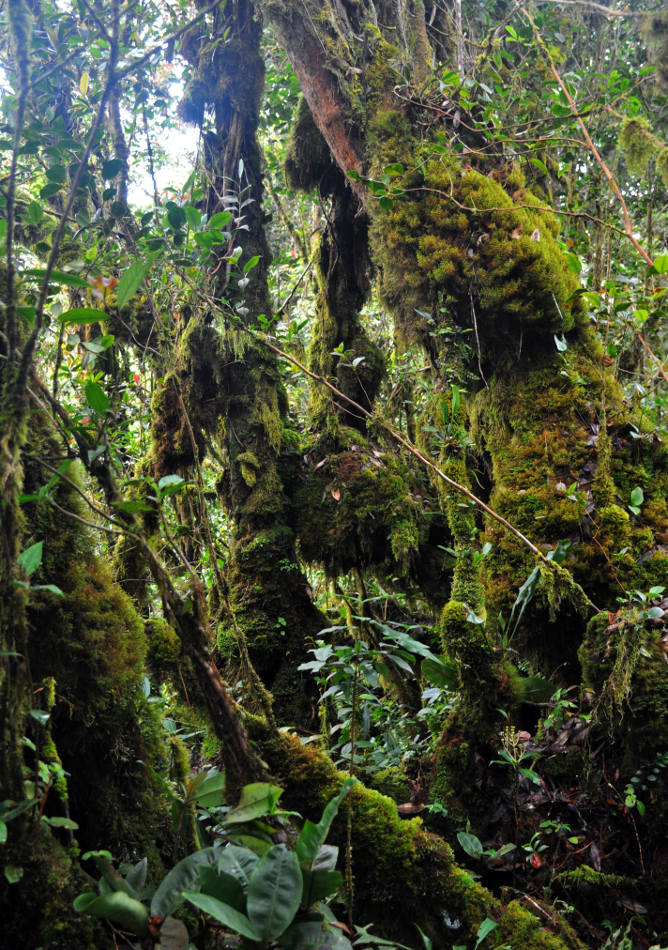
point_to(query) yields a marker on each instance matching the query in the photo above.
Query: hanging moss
(623, 663)
(638, 143)
(662, 165)
(308, 163)
(362, 507)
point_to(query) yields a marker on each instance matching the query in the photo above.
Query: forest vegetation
(333, 474)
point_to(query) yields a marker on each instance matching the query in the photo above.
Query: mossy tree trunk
(470, 266)
(270, 615)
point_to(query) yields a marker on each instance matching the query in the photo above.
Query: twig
(612, 181)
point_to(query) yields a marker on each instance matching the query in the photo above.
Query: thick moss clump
(37, 910)
(90, 644)
(623, 660)
(470, 251)
(308, 162)
(362, 507)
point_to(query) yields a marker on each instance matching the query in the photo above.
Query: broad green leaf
(130, 282)
(184, 876)
(96, 398)
(326, 858)
(28, 313)
(223, 887)
(40, 715)
(193, 216)
(637, 496)
(250, 842)
(539, 164)
(83, 315)
(136, 876)
(256, 801)
(239, 862)
(60, 822)
(111, 168)
(35, 212)
(31, 558)
(312, 835)
(224, 914)
(274, 892)
(319, 884)
(56, 174)
(251, 263)
(661, 264)
(220, 220)
(118, 907)
(13, 873)
(440, 672)
(3, 833)
(470, 843)
(485, 928)
(210, 792)
(206, 239)
(168, 480)
(58, 277)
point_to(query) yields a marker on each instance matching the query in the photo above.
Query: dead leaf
(336, 494)
(515, 235)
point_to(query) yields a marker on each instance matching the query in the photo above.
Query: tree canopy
(334, 482)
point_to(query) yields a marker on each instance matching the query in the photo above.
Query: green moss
(249, 466)
(307, 160)
(662, 165)
(491, 256)
(363, 508)
(164, 646)
(638, 143)
(50, 882)
(391, 782)
(623, 663)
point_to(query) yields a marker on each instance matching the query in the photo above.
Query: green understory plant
(368, 727)
(250, 886)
